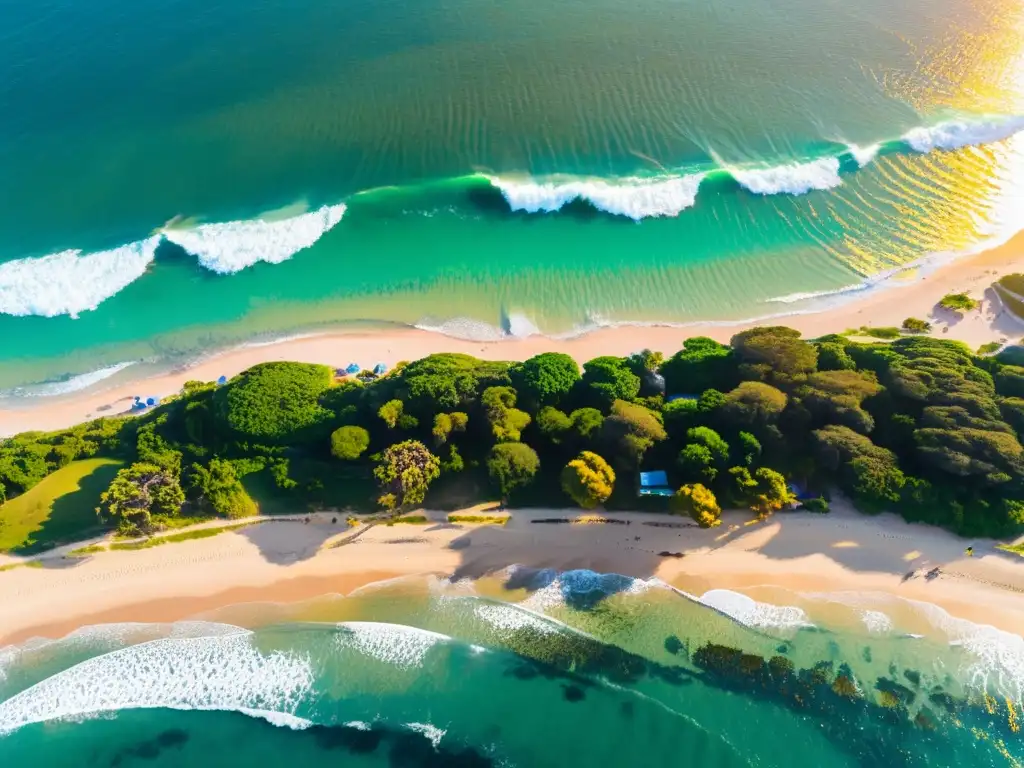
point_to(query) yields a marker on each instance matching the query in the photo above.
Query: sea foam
(752, 613)
(68, 385)
(230, 247)
(396, 644)
(225, 672)
(790, 179)
(634, 198)
(955, 134)
(70, 282)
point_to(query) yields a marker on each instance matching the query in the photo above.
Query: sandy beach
(910, 295)
(284, 562)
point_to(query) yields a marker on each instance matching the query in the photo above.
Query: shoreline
(887, 306)
(800, 556)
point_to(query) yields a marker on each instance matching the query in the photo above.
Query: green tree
(837, 396)
(448, 381)
(749, 447)
(218, 487)
(832, 356)
(349, 443)
(610, 379)
(586, 422)
(754, 405)
(588, 480)
(276, 403)
(697, 462)
(512, 466)
(507, 422)
(631, 430)
(137, 493)
(553, 423)
(446, 423)
(700, 365)
(699, 503)
(775, 353)
(916, 325)
(546, 378)
(772, 492)
(405, 471)
(391, 412)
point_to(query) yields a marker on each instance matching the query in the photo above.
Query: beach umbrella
(380, 368)
(353, 368)
(222, 381)
(152, 400)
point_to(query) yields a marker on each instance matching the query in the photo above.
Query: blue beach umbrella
(353, 368)
(152, 400)
(380, 369)
(222, 381)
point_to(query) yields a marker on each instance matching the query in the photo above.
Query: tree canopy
(588, 480)
(512, 466)
(546, 378)
(405, 471)
(276, 402)
(349, 443)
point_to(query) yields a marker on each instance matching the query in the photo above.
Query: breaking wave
(754, 614)
(224, 672)
(790, 179)
(67, 385)
(70, 282)
(229, 247)
(634, 198)
(397, 644)
(955, 134)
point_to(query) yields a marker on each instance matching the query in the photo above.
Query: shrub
(819, 505)
(588, 480)
(349, 443)
(512, 466)
(915, 325)
(405, 471)
(273, 402)
(699, 503)
(958, 302)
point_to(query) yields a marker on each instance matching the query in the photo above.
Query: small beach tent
(222, 381)
(152, 401)
(353, 369)
(380, 369)
(655, 484)
(138, 405)
(801, 493)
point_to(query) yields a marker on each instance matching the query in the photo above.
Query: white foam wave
(877, 623)
(790, 179)
(396, 644)
(463, 328)
(232, 246)
(997, 657)
(69, 385)
(359, 725)
(519, 326)
(508, 618)
(432, 732)
(755, 614)
(70, 282)
(863, 155)
(210, 673)
(632, 197)
(955, 134)
(280, 719)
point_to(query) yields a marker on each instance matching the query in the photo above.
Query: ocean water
(526, 668)
(180, 176)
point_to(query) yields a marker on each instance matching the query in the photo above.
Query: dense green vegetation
(958, 302)
(921, 426)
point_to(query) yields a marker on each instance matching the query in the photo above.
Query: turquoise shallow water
(529, 668)
(480, 170)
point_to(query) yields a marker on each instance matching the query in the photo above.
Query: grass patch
(1010, 301)
(86, 551)
(989, 348)
(321, 485)
(410, 520)
(28, 564)
(61, 508)
(156, 541)
(958, 302)
(886, 333)
(483, 519)
(1017, 549)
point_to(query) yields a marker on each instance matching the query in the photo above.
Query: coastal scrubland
(917, 425)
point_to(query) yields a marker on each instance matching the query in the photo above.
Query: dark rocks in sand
(670, 554)
(673, 645)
